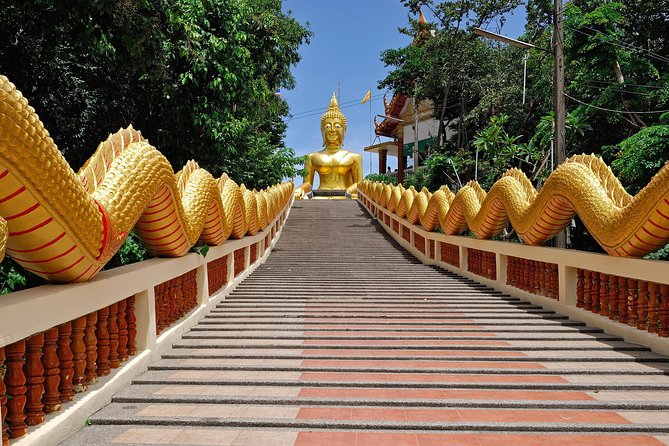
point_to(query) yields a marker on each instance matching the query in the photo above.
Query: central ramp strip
(343, 338)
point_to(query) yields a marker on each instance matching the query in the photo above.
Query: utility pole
(415, 133)
(558, 82)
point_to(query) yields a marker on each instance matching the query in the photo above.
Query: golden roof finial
(334, 111)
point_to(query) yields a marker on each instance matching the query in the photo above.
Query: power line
(612, 110)
(615, 90)
(621, 44)
(627, 84)
(321, 109)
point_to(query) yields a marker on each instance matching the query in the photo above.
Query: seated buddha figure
(337, 168)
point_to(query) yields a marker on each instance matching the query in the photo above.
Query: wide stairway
(342, 338)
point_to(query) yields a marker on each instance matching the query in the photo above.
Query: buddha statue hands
(337, 168)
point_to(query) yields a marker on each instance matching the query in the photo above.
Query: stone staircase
(342, 338)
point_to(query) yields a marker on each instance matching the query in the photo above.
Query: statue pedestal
(329, 193)
(339, 194)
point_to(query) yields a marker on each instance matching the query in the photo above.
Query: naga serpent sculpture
(65, 226)
(623, 225)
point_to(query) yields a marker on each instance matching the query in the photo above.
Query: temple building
(407, 127)
(399, 123)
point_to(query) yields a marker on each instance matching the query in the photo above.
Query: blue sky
(348, 39)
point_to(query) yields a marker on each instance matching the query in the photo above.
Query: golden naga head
(333, 125)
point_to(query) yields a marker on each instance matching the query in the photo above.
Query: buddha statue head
(333, 125)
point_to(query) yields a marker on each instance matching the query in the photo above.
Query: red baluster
(622, 300)
(91, 348)
(122, 331)
(587, 290)
(579, 288)
(168, 298)
(642, 306)
(603, 294)
(158, 306)
(177, 303)
(555, 281)
(653, 307)
(632, 302)
(102, 336)
(15, 380)
(65, 358)
(51, 371)
(34, 372)
(613, 298)
(78, 354)
(112, 328)
(3, 400)
(595, 293)
(527, 275)
(132, 326)
(664, 311)
(509, 270)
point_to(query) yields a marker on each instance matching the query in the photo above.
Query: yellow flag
(367, 97)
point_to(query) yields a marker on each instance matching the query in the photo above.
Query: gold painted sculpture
(337, 168)
(65, 226)
(623, 225)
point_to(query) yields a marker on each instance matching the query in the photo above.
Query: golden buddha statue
(337, 168)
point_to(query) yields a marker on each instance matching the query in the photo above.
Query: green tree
(197, 77)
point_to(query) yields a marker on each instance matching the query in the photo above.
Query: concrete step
(204, 435)
(380, 418)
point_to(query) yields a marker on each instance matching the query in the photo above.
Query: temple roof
(392, 110)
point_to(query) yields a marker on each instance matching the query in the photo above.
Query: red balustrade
(450, 254)
(637, 303)
(253, 253)
(239, 261)
(45, 370)
(419, 242)
(540, 278)
(482, 263)
(217, 274)
(3, 400)
(396, 226)
(433, 255)
(174, 299)
(406, 233)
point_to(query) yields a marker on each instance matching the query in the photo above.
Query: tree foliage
(196, 77)
(616, 66)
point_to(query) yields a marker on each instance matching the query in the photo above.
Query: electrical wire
(612, 110)
(621, 44)
(625, 84)
(321, 109)
(615, 90)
